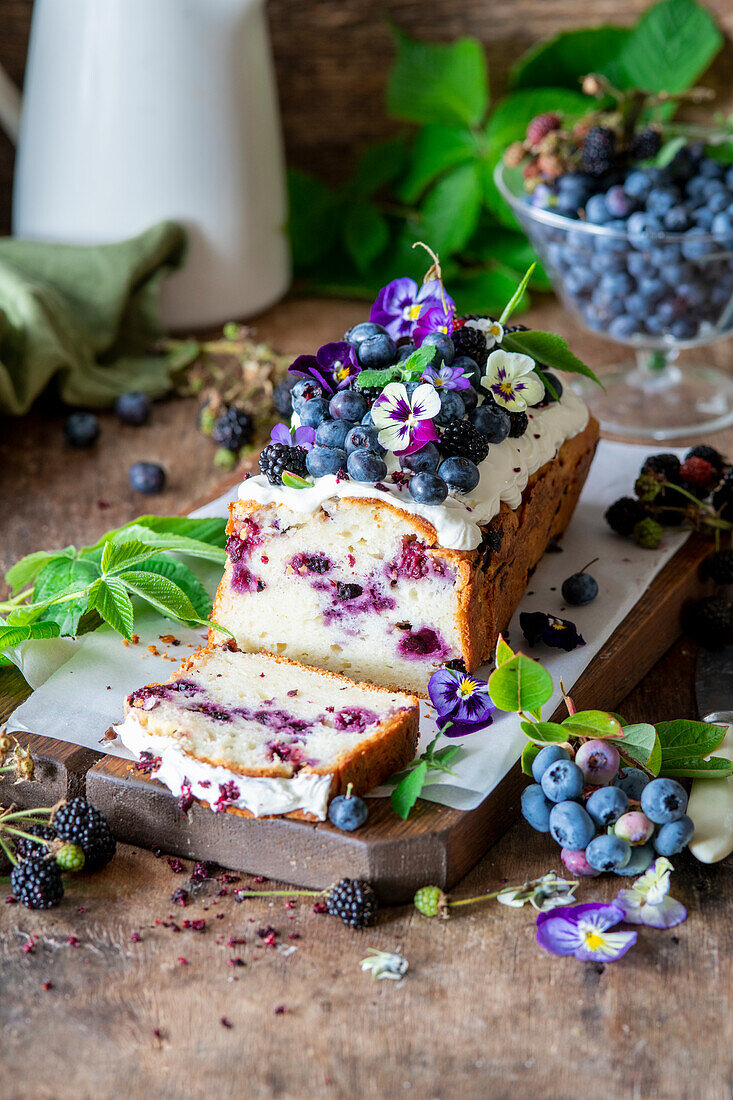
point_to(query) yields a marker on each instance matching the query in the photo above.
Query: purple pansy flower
(537, 626)
(300, 437)
(402, 302)
(405, 422)
(435, 319)
(331, 367)
(461, 700)
(583, 931)
(446, 378)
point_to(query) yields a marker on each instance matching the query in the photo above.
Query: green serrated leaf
(520, 684)
(377, 378)
(25, 571)
(181, 575)
(544, 733)
(437, 83)
(117, 556)
(164, 595)
(407, 791)
(417, 361)
(670, 47)
(684, 738)
(437, 149)
(547, 348)
(180, 544)
(564, 59)
(109, 597)
(450, 210)
(717, 767)
(11, 636)
(58, 582)
(592, 723)
(516, 296)
(364, 233)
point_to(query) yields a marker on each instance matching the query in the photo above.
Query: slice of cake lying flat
(262, 735)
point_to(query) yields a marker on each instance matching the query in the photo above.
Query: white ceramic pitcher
(139, 110)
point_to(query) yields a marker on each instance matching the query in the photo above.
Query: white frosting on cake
(504, 475)
(261, 795)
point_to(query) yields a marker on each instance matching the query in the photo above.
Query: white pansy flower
(511, 380)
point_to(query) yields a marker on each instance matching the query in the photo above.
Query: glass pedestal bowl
(656, 293)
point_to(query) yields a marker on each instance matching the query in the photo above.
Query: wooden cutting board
(435, 845)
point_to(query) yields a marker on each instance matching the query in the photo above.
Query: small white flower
(648, 901)
(543, 894)
(493, 330)
(511, 380)
(383, 964)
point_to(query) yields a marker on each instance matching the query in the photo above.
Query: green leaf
(437, 148)
(564, 59)
(63, 577)
(684, 738)
(109, 597)
(437, 83)
(722, 152)
(529, 752)
(670, 47)
(417, 361)
(544, 733)
(669, 151)
(181, 354)
(120, 555)
(365, 233)
(26, 570)
(520, 684)
(407, 791)
(516, 296)
(504, 652)
(312, 223)
(451, 210)
(592, 723)
(377, 378)
(181, 575)
(694, 767)
(378, 165)
(294, 481)
(204, 529)
(11, 636)
(179, 544)
(547, 348)
(640, 743)
(164, 595)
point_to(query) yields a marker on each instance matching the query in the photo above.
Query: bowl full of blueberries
(634, 224)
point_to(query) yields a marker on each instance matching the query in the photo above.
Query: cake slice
(263, 735)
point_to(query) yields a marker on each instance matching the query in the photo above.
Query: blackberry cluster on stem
(81, 823)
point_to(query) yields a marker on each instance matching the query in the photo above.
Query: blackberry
(599, 151)
(353, 900)
(462, 439)
(29, 849)
(719, 566)
(645, 144)
(70, 857)
(624, 514)
(699, 475)
(667, 465)
(79, 822)
(708, 621)
(508, 329)
(233, 429)
(723, 497)
(276, 458)
(471, 342)
(281, 396)
(710, 455)
(519, 422)
(36, 883)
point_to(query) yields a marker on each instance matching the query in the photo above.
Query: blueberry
(347, 812)
(634, 827)
(543, 197)
(282, 395)
(571, 826)
(147, 477)
(366, 465)
(663, 800)
(596, 210)
(608, 852)
(632, 781)
(444, 344)
(367, 419)
(362, 331)
(619, 203)
(546, 756)
(579, 280)
(333, 433)
(312, 412)
(661, 200)
(703, 219)
(636, 307)
(640, 859)
(674, 836)
(451, 407)
(638, 264)
(562, 780)
(652, 289)
(677, 220)
(492, 421)
(305, 390)
(469, 397)
(325, 460)
(722, 225)
(637, 185)
(718, 202)
(661, 255)
(598, 761)
(642, 227)
(617, 284)
(691, 294)
(428, 488)
(684, 329)
(81, 429)
(363, 436)
(377, 351)
(469, 367)
(579, 588)
(133, 408)
(404, 351)
(694, 246)
(423, 461)
(460, 474)
(536, 808)
(711, 169)
(348, 405)
(623, 327)
(606, 805)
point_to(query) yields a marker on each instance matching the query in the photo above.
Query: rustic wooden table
(113, 998)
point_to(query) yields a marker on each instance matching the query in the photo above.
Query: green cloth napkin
(83, 317)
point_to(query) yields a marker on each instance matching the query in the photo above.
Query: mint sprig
(407, 371)
(69, 591)
(411, 781)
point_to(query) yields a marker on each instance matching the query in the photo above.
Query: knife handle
(711, 805)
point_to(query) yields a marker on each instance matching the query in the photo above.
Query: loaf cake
(446, 484)
(262, 735)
